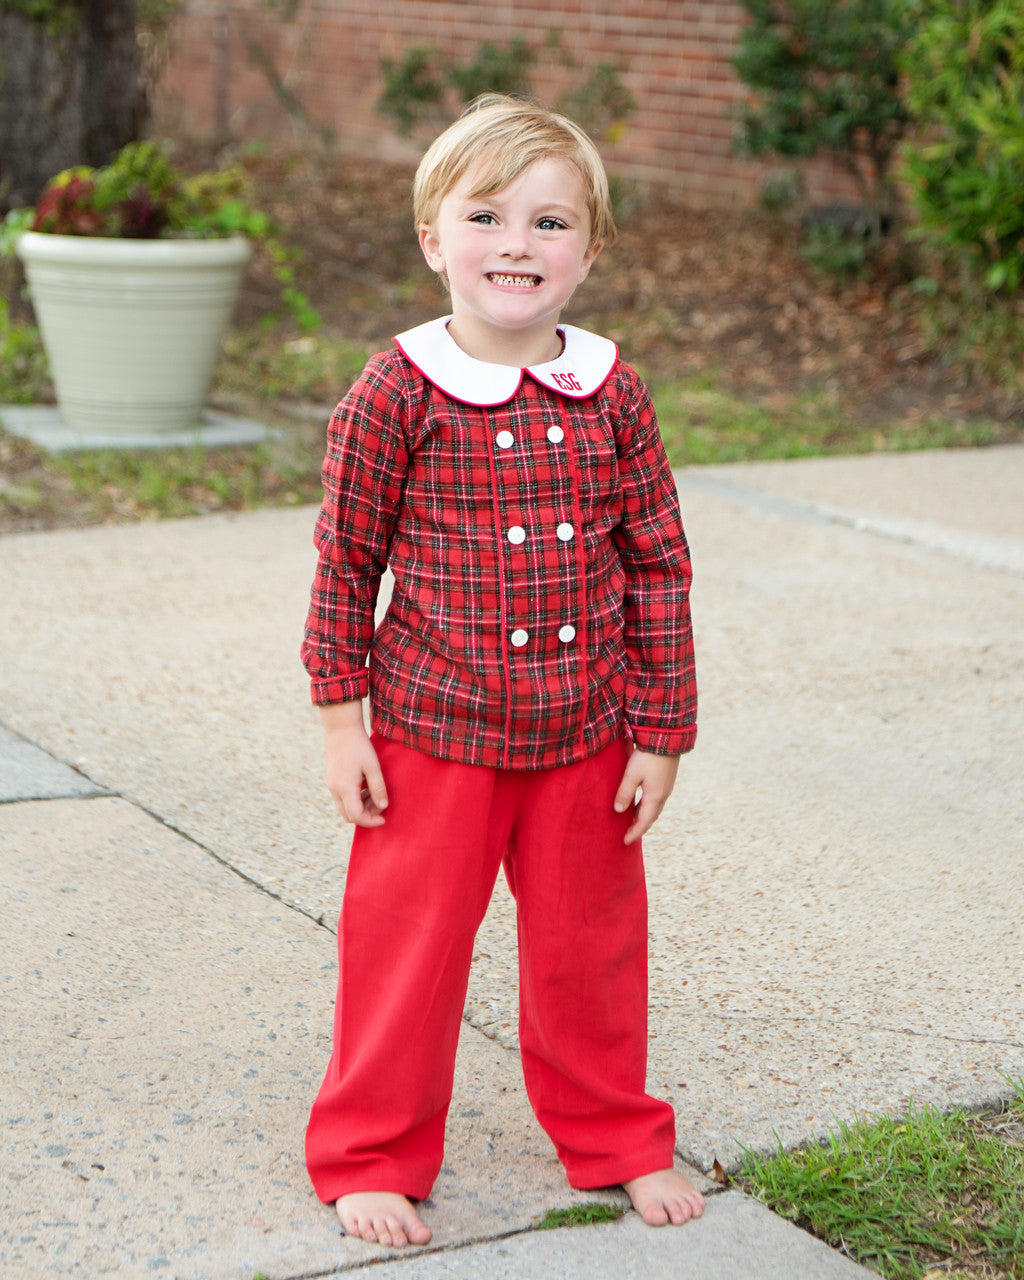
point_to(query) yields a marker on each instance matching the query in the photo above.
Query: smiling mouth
(514, 282)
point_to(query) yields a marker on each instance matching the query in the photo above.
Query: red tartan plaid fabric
(542, 575)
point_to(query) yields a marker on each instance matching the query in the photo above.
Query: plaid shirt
(540, 603)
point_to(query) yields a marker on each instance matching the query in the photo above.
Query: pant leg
(415, 893)
(582, 921)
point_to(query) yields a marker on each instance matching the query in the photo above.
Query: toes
(366, 1231)
(681, 1211)
(395, 1236)
(665, 1197)
(385, 1219)
(387, 1232)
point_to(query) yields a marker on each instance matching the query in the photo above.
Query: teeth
(521, 282)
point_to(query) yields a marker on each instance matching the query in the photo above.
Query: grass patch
(930, 1195)
(23, 369)
(163, 483)
(579, 1215)
(702, 425)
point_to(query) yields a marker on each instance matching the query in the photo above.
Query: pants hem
(613, 1172)
(330, 1189)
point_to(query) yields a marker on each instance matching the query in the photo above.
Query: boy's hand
(353, 772)
(654, 776)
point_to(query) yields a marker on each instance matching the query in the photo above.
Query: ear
(588, 261)
(430, 243)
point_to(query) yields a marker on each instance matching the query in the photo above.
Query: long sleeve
(661, 690)
(363, 474)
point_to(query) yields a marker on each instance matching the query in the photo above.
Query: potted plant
(133, 270)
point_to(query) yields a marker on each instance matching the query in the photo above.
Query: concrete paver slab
(27, 773)
(44, 426)
(736, 1239)
(162, 1039)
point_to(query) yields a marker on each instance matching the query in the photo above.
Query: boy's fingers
(348, 803)
(361, 807)
(646, 815)
(365, 816)
(648, 812)
(375, 788)
(654, 777)
(625, 797)
(640, 825)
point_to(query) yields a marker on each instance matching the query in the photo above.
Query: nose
(516, 243)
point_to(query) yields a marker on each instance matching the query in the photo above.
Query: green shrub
(965, 85)
(826, 78)
(417, 84)
(494, 70)
(411, 83)
(964, 167)
(422, 86)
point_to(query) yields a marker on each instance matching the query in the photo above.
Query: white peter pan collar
(583, 367)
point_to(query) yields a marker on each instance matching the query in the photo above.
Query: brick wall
(672, 55)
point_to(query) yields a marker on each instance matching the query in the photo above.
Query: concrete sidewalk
(834, 887)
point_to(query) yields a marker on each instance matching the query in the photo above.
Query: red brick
(673, 55)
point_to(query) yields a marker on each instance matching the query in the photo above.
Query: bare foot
(382, 1217)
(663, 1197)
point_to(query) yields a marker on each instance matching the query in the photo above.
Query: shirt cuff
(347, 688)
(663, 742)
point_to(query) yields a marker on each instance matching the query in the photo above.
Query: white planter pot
(132, 328)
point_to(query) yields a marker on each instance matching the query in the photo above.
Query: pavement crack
(938, 1035)
(413, 1252)
(216, 857)
(865, 1026)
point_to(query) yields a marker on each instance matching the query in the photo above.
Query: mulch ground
(684, 290)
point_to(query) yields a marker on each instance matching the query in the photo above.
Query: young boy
(532, 675)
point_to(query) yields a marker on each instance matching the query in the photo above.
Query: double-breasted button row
(505, 439)
(521, 638)
(517, 534)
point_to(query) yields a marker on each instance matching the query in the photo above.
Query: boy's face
(513, 260)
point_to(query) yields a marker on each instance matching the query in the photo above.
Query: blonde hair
(505, 136)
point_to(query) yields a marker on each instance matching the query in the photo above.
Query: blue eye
(551, 224)
(485, 219)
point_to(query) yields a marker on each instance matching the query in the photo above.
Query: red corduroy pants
(416, 891)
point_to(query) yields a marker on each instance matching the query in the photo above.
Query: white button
(566, 633)
(504, 439)
(516, 534)
(565, 532)
(519, 638)
(556, 435)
